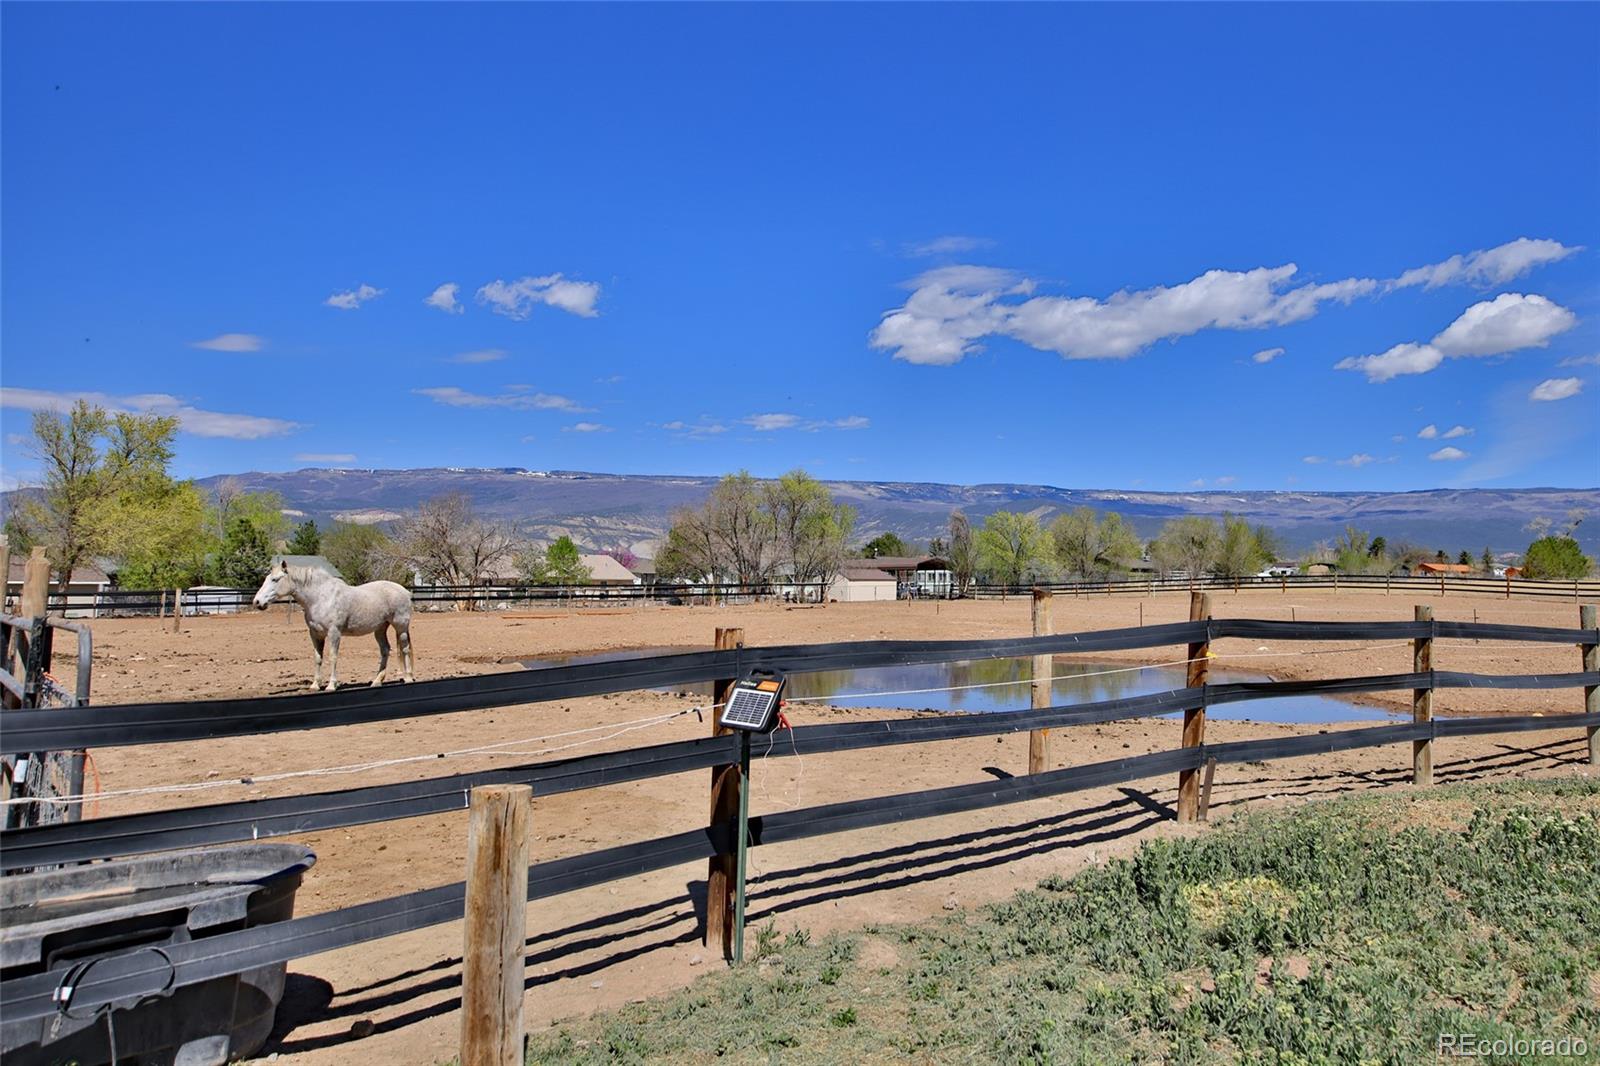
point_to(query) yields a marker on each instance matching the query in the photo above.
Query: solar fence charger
(752, 704)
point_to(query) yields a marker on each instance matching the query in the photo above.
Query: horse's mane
(310, 575)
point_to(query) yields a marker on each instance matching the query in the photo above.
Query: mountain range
(604, 511)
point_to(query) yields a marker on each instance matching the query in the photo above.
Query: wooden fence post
(725, 782)
(1194, 719)
(1591, 693)
(35, 585)
(1043, 683)
(1422, 702)
(496, 911)
(177, 609)
(5, 571)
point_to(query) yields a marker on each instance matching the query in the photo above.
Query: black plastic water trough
(56, 919)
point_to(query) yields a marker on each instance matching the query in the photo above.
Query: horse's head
(278, 585)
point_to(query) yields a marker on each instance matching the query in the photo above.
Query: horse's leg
(403, 634)
(316, 646)
(382, 636)
(332, 654)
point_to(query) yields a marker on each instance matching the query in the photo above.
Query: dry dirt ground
(396, 1000)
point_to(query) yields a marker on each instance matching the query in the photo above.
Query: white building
(859, 584)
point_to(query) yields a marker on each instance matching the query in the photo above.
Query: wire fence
(139, 972)
(120, 603)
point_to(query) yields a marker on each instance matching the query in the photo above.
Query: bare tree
(447, 543)
(741, 529)
(963, 555)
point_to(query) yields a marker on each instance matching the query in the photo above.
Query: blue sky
(947, 243)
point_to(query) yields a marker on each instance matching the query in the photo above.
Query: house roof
(900, 562)
(1445, 568)
(865, 573)
(605, 568)
(82, 575)
(643, 567)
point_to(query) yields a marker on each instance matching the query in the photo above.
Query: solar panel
(752, 704)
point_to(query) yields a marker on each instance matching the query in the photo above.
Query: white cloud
(1496, 266)
(444, 298)
(950, 245)
(770, 422)
(1397, 438)
(1313, 459)
(349, 301)
(324, 457)
(1556, 389)
(1227, 479)
(1428, 432)
(517, 299)
(703, 428)
(1357, 460)
(951, 308)
(1458, 431)
(1509, 322)
(191, 419)
(232, 342)
(1447, 454)
(586, 427)
(482, 355)
(515, 396)
(1580, 360)
(609, 379)
(1266, 355)
(1401, 359)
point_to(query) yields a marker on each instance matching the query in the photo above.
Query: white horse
(334, 608)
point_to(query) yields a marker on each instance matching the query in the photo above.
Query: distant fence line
(153, 602)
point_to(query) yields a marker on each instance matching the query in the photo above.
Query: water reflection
(991, 685)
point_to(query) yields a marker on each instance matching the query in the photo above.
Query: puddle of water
(1005, 686)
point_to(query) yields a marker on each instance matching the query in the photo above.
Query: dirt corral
(601, 947)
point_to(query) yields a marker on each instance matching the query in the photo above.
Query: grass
(1352, 931)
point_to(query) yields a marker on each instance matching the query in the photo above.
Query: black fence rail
(127, 976)
(1407, 584)
(120, 603)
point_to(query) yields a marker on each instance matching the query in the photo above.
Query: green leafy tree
(361, 553)
(884, 545)
(305, 541)
(559, 563)
(1011, 546)
(810, 530)
(19, 536)
(161, 532)
(1486, 561)
(1192, 544)
(263, 509)
(1241, 552)
(1087, 544)
(87, 459)
(246, 555)
(1556, 558)
(1352, 552)
(963, 552)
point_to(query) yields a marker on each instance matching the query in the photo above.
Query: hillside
(614, 510)
(633, 510)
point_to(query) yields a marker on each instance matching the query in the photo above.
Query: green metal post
(744, 845)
